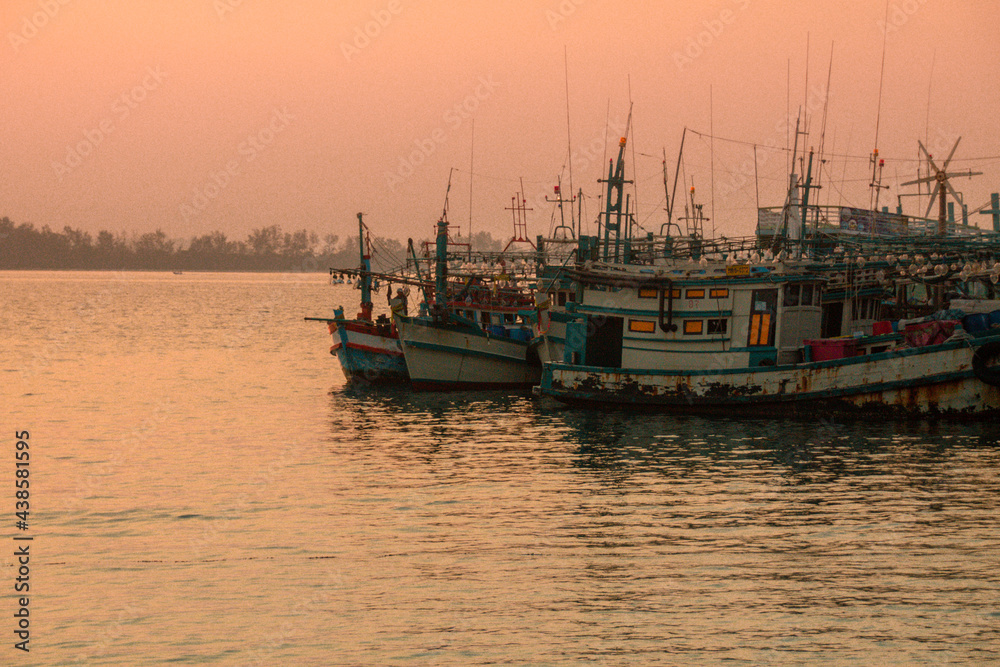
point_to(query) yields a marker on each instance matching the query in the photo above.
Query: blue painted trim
(718, 280)
(690, 338)
(832, 363)
(371, 366)
(653, 314)
(652, 351)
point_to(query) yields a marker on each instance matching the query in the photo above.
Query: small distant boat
(177, 273)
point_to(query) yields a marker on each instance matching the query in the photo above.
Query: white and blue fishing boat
(728, 339)
(739, 332)
(475, 338)
(368, 349)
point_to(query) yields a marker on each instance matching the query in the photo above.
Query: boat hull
(550, 336)
(452, 356)
(936, 380)
(368, 354)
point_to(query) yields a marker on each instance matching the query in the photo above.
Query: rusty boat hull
(955, 379)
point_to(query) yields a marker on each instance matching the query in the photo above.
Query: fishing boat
(759, 333)
(368, 349)
(694, 325)
(735, 338)
(475, 337)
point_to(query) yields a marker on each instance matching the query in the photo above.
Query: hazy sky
(198, 115)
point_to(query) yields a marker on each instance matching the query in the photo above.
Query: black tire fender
(980, 363)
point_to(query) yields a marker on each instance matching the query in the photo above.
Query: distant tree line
(265, 249)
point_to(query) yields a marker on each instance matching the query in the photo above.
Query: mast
(366, 272)
(562, 216)
(416, 266)
(673, 195)
(441, 264)
(613, 204)
(806, 187)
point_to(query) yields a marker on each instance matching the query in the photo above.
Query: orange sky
(198, 115)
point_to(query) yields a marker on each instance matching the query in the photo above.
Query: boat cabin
(689, 319)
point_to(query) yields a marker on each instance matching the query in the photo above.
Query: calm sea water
(205, 490)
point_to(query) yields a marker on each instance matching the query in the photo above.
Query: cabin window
(791, 296)
(695, 294)
(641, 326)
(484, 318)
(508, 318)
(717, 326)
(719, 293)
(763, 306)
(563, 297)
(807, 295)
(692, 327)
(866, 309)
(648, 293)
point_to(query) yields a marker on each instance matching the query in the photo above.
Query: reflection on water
(634, 538)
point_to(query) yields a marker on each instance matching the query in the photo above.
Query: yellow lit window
(648, 292)
(692, 327)
(695, 294)
(642, 326)
(719, 293)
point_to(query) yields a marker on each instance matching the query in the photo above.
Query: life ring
(980, 360)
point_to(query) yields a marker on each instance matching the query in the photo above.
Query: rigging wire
(708, 135)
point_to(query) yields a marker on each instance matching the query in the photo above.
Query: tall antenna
(635, 187)
(826, 106)
(930, 81)
(876, 183)
(666, 190)
(472, 153)
(673, 195)
(927, 120)
(788, 114)
(711, 150)
(569, 135)
(519, 208)
(444, 211)
(806, 101)
(881, 76)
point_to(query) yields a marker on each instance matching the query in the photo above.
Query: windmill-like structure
(940, 178)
